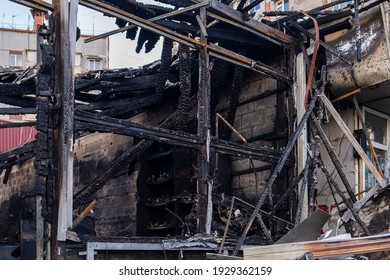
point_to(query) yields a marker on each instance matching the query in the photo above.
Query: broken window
(15, 59)
(378, 131)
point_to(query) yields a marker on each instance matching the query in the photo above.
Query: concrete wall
(116, 207)
(253, 119)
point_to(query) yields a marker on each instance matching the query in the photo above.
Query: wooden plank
(319, 249)
(353, 141)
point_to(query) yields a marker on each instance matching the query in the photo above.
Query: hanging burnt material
(131, 33)
(163, 72)
(234, 96)
(219, 77)
(148, 39)
(185, 85)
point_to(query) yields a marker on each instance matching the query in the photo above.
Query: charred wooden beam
(23, 124)
(17, 111)
(18, 101)
(16, 89)
(123, 127)
(203, 131)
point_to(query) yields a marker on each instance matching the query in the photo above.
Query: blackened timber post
(40, 222)
(65, 29)
(204, 185)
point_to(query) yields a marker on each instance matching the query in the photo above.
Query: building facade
(18, 48)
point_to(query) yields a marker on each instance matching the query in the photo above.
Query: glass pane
(19, 60)
(377, 128)
(92, 65)
(97, 65)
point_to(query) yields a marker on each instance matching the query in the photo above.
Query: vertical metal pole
(300, 91)
(204, 184)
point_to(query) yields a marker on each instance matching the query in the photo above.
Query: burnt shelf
(159, 155)
(159, 182)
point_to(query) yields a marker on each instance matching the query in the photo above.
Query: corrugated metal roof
(15, 136)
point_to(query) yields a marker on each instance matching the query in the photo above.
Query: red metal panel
(15, 136)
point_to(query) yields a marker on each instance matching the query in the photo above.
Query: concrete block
(239, 165)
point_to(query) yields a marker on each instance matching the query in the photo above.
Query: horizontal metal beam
(35, 4)
(164, 16)
(148, 25)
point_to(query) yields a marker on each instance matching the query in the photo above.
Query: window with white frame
(94, 64)
(282, 5)
(342, 5)
(378, 128)
(15, 59)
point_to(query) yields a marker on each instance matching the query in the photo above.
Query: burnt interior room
(222, 144)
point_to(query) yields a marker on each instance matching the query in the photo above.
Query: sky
(122, 51)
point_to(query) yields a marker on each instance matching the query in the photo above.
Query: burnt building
(245, 132)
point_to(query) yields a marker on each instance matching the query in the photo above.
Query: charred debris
(209, 52)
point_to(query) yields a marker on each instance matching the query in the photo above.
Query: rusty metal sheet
(374, 67)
